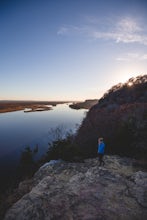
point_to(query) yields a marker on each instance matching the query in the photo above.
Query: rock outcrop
(85, 191)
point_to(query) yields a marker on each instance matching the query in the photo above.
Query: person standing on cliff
(101, 150)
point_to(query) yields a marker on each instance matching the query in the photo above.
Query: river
(19, 130)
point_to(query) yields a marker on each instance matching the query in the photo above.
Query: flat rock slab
(85, 191)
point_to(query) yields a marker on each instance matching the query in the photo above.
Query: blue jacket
(101, 148)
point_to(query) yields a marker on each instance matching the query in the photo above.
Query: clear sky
(70, 49)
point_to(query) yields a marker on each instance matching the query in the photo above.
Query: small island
(38, 108)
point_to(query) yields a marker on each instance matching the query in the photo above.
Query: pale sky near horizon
(70, 49)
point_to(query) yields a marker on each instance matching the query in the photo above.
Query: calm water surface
(19, 129)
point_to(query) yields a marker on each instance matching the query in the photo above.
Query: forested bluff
(120, 117)
(75, 187)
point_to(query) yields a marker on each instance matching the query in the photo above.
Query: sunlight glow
(130, 84)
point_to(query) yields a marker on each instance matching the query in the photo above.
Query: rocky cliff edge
(84, 191)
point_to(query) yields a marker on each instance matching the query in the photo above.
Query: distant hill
(120, 116)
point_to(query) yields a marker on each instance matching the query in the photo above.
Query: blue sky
(70, 49)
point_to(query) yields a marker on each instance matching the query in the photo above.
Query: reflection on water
(18, 129)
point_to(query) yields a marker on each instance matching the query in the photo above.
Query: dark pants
(100, 156)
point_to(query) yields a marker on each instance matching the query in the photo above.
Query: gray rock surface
(85, 191)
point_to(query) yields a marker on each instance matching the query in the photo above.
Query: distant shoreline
(87, 104)
(34, 106)
(11, 106)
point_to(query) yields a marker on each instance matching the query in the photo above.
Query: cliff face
(85, 191)
(121, 118)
